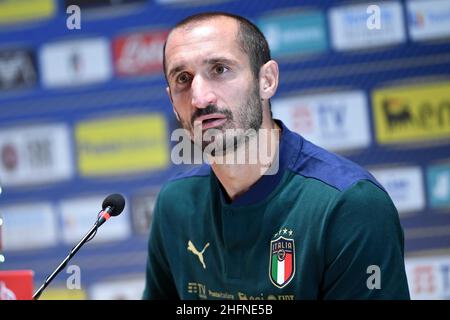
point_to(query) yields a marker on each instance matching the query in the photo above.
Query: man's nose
(202, 93)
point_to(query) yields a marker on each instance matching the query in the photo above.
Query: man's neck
(236, 179)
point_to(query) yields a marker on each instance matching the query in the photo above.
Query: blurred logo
(140, 53)
(6, 293)
(35, 155)
(295, 34)
(413, 113)
(9, 157)
(404, 185)
(424, 280)
(428, 278)
(428, 19)
(335, 121)
(143, 206)
(349, 31)
(76, 62)
(417, 19)
(14, 11)
(76, 222)
(122, 145)
(22, 221)
(438, 181)
(303, 119)
(17, 69)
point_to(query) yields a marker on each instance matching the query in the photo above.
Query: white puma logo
(194, 250)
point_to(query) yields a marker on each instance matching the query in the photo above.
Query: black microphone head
(116, 202)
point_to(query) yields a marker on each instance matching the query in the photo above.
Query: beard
(238, 127)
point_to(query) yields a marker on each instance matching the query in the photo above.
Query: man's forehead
(220, 29)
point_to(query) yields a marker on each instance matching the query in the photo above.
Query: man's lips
(210, 121)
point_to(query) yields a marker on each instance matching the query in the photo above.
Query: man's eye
(219, 69)
(183, 78)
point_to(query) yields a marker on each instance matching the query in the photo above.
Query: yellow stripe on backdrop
(12, 11)
(63, 294)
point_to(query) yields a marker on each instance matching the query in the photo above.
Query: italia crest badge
(282, 258)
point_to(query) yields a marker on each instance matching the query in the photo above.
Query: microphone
(113, 205)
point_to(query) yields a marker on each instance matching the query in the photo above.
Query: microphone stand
(72, 252)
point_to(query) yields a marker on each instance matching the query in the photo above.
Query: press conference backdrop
(84, 113)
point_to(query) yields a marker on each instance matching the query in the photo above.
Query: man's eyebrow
(210, 61)
(219, 60)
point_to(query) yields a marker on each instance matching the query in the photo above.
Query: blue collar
(290, 146)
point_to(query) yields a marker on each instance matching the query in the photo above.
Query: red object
(139, 53)
(16, 285)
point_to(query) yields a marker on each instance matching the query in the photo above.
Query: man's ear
(169, 94)
(171, 101)
(268, 79)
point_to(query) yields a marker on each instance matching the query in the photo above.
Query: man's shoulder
(186, 184)
(183, 195)
(332, 169)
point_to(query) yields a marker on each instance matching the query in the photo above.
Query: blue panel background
(363, 70)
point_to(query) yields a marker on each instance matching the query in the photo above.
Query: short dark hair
(251, 39)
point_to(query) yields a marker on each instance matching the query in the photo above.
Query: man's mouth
(211, 121)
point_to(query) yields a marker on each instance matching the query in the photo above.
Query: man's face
(211, 85)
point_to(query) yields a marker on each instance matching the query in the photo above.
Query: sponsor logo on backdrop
(438, 183)
(17, 69)
(29, 226)
(335, 121)
(79, 214)
(412, 113)
(349, 31)
(404, 185)
(139, 53)
(76, 62)
(428, 19)
(143, 206)
(13, 11)
(295, 33)
(122, 145)
(35, 155)
(428, 278)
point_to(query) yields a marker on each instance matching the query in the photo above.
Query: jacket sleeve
(159, 282)
(364, 247)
